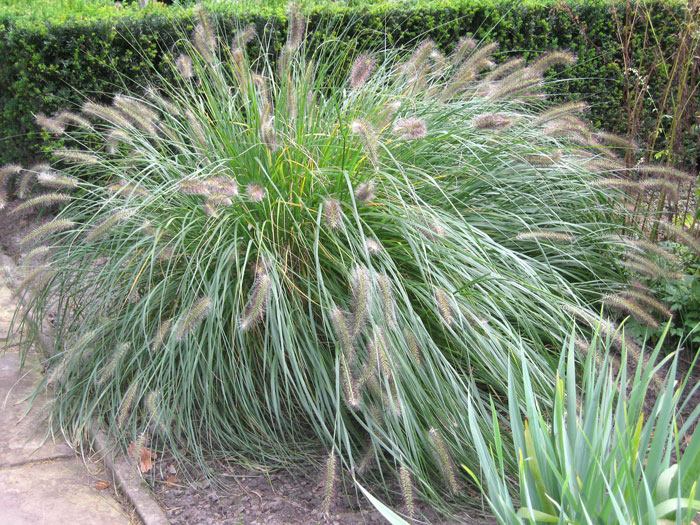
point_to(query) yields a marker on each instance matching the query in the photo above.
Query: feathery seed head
(387, 114)
(641, 297)
(138, 114)
(37, 252)
(360, 285)
(547, 236)
(257, 303)
(443, 304)
(507, 67)
(111, 115)
(444, 461)
(220, 199)
(667, 172)
(368, 137)
(210, 208)
(7, 170)
(256, 192)
(411, 128)
(662, 185)
(67, 117)
(365, 192)
(545, 159)
(203, 37)
(47, 229)
(623, 184)
(113, 138)
(53, 179)
(553, 58)
(113, 364)
(373, 246)
(77, 156)
(127, 403)
(184, 65)
(47, 199)
(680, 235)
(413, 347)
(193, 187)
(223, 186)
(378, 351)
(329, 482)
(342, 330)
(362, 69)
(124, 188)
(161, 334)
(49, 124)
(198, 135)
(407, 490)
(296, 27)
(491, 121)
(388, 304)
(419, 59)
(333, 214)
(628, 305)
(463, 47)
(616, 141)
(244, 36)
(108, 224)
(194, 316)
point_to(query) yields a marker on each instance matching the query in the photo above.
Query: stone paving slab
(22, 437)
(41, 480)
(58, 492)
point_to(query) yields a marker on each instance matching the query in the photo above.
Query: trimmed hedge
(51, 58)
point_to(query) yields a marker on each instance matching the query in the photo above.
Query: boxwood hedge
(51, 57)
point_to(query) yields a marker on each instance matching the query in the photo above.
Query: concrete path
(42, 481)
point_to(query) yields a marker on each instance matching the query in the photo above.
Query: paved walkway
(42, 481)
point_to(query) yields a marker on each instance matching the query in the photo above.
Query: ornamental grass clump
(302, 263)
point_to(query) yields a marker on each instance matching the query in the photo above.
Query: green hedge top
(54, 54)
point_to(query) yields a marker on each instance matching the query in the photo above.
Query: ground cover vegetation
(265, 254)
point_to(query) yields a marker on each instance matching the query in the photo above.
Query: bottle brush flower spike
(297, 259)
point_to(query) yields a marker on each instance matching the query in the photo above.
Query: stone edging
(123, 472)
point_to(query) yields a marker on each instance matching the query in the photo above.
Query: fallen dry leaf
(171, 481)
(145, 457)
(101, 485)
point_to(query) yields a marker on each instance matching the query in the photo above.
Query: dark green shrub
(48, 57)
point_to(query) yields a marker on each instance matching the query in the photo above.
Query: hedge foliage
(52, 56)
